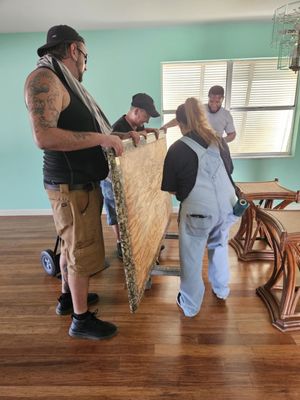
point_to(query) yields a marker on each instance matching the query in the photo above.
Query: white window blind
(184, 80)
(260, 97)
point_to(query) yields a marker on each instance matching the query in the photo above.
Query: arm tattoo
(44, 96)
(80, 135)
(41, 100)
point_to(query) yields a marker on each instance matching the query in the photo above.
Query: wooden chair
(260, 195)
(281, 292)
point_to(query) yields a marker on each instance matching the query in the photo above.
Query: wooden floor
(229, 351)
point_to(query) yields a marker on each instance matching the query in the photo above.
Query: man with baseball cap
(142, 108)
(71, 129)
(145, 102)
(59, 34)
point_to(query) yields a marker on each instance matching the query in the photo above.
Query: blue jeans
(109, 202)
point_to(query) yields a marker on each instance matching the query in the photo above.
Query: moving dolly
(50, 260)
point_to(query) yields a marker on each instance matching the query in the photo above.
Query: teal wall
(121, 63)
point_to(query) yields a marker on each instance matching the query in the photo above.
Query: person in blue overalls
(197, 169)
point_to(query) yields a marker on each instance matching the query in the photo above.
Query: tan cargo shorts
(77, 218)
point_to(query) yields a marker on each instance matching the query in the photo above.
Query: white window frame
(290, 140)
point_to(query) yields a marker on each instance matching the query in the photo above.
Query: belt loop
(64, 188)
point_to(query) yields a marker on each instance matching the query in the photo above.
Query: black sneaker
(178, 301)
(119, 251)
(65, 304)
(92, 328)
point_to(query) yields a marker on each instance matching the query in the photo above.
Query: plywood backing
(143, 209)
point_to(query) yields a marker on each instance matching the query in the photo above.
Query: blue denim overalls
(205, 218)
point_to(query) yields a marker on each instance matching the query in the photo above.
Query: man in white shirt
(219, 118)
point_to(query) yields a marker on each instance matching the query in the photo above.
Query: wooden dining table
(281, 291)
(250, 241)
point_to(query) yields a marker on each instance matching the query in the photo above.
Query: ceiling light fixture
(286, 35)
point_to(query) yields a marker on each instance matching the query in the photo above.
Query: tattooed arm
(46, 98)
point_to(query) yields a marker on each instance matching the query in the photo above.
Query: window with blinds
(260, 97)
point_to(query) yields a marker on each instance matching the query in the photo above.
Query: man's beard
(80, 74)
(210, 110)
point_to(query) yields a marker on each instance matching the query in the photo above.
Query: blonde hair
(192, 115)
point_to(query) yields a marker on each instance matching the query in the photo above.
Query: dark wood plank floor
(229, 351)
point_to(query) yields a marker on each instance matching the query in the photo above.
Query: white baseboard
(11, 213)
(175, 209)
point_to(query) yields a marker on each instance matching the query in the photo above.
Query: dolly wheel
(48, 262)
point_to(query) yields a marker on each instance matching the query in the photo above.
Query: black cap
(144, 101)
(59, 34)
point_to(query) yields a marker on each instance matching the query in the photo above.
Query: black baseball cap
(144, 101)
(59, 34)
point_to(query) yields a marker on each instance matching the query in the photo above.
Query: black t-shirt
(181, 166)
(122, 125)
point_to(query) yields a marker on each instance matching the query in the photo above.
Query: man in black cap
(142, 108)
(72, 130)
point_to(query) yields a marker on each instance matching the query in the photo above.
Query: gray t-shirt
(220, 121)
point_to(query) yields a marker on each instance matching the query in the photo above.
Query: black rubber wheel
(50, 262)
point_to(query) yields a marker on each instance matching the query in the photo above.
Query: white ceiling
(39, 15)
